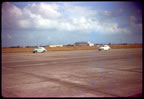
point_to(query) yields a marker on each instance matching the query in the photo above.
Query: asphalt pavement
(79, 73)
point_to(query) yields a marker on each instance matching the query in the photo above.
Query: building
(55, 45)
(90, 44)
(83, 44)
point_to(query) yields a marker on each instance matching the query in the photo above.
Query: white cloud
(135, 25)
(9, 36)
(121, 10)
(48, 16)
(62, 18)
(24, 23)
(132, 19)
(44, 10)
(107, 13)
(11, 14)
(77, 11)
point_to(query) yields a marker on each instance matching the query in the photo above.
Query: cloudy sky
(44, 23)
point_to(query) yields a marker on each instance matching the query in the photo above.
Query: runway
(79, 73)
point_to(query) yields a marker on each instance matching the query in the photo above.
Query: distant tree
(14, 47)
(27, 46)
(109, 43)
(69, 45)
(124, 43)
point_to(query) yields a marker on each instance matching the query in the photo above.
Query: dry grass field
(69, 48)
(126, 46)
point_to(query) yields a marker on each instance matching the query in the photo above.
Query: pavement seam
(70, 84)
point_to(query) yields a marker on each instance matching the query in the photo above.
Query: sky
(46, 23)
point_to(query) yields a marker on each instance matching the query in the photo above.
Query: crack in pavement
(68, 83)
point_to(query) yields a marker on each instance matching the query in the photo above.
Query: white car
(39, 49)
(105, 47)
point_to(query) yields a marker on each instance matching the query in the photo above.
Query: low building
(84, 44)
(55, 45)
(90, 44)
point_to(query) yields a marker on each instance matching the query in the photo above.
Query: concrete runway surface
(80, 73)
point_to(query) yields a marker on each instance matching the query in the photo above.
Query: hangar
(83, 44)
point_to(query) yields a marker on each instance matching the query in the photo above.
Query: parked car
(105, 47)
(39, 49)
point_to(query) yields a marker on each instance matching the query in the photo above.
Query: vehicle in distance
(105, 47)
(39, 49)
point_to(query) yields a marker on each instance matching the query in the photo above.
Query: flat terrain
(69, 48)
(79, 73)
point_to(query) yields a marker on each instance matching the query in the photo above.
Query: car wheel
(34, 51)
